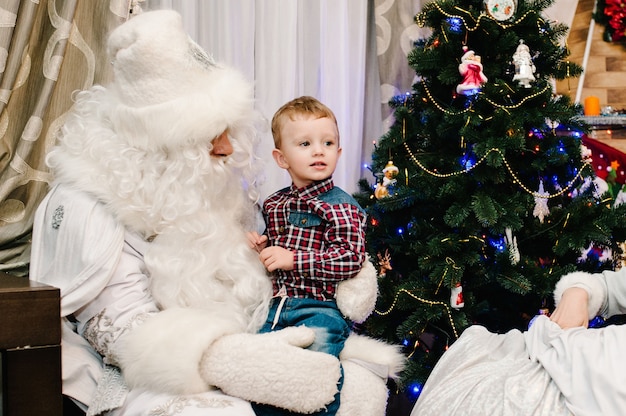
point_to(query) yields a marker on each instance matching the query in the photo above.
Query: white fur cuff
(374, 354)
(356, 297)
(592, 283)
(168, 360)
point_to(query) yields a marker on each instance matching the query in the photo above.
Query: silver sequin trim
(178, 404)
(57, 217)
(101, 333)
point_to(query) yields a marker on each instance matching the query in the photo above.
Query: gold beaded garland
(426, 301)
(506, 164)
(420, 19)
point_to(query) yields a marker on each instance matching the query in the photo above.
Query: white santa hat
(171, 92)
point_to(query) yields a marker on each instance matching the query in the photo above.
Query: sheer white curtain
(292, 48)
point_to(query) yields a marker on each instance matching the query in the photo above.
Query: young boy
(315, 235)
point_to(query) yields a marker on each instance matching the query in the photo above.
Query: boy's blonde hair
(301, 106)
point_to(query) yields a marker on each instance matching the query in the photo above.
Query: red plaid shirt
(325, 231)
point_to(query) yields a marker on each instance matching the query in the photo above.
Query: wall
(605, 74)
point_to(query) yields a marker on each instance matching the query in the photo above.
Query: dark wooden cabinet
(30, 348)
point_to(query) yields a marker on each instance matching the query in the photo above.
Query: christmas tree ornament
(511, 242)
(541, 203)
(455, 24)
(595, 253)
(501, 10)
(524, 67)
(552, 124)
(390, 172)
(385, 188)
(456, 296)
(471, 69)
(381, 191)
(585, 154)
(384, 263)
(597, 322)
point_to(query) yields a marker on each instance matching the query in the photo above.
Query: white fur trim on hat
(170, 90)
(592, 283)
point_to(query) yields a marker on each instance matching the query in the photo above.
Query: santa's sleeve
(586, 364)
(606, 290)
(76, 246)
(159, 350)
(98, 265)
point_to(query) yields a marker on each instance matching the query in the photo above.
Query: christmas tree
(485, 195)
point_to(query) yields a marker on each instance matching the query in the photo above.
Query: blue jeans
(331, 330)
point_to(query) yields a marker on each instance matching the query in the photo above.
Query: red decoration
(614, 17)
(616, 11)
(456, 297)
(603, 156)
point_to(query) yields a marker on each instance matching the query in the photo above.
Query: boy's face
(309, 149)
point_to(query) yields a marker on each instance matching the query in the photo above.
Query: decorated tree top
(490, 199)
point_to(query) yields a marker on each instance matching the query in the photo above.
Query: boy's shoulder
(336, 195)
(333, 196)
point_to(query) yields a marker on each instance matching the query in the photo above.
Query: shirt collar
(313, 190)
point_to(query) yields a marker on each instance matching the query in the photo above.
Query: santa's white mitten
(273, 368)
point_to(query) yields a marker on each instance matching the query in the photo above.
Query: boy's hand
(275, 257)
(255, 241)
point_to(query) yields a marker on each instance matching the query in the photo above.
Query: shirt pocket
(304, 219)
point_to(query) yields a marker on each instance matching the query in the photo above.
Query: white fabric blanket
(543, 371)
(489, 374)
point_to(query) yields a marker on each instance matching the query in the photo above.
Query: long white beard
(217, 271)
(193, 205)
(203, 260)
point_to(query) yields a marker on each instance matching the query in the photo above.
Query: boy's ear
(280, 159)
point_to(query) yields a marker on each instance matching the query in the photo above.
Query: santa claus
(143, 231)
